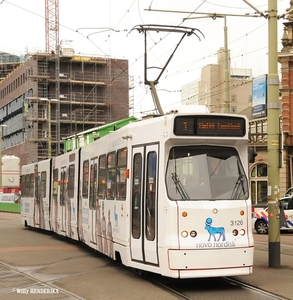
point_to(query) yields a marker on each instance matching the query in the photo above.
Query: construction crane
(52, 25)
(52, 46)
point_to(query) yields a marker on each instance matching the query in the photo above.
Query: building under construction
(53, 95)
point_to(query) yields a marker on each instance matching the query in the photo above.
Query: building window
(233, 109)
(233, 98)
(259, 183)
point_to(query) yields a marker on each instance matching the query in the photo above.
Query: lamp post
(1, 155)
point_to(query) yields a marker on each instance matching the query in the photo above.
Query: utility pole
(2, 125)
(227, 69)
(273, 137)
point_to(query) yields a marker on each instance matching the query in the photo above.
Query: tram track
(30, 284)
(232, 284)
(172, 291)
(181, 290)
(262, 292)
(79, 273)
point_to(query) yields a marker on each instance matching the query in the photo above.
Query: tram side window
(71, 181)
(85, 179)
(95, 193)
(43, 183)
(151, 195)
(121, 174)
(93, 186)
(31, 185)
(111, 175)
(136, 195)
(63, 187)
(26, 186)
(55, 184)
(23, 188)
(102, 177)
(37, 192)
(38, 187)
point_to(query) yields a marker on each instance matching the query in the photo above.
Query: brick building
(49, 97)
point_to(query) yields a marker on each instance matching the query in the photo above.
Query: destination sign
(210, 126)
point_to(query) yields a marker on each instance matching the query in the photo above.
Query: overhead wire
(126, 13)
(183, 68)
(162, 37)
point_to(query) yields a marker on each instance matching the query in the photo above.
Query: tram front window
(205, 173)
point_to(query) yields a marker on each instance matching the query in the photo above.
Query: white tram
(10, 174)
(169, 195)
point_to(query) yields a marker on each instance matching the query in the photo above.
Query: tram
(10, 174)
(167, 195)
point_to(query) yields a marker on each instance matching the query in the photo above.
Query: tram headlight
(193, 233)
(184, 234)
(242, 232)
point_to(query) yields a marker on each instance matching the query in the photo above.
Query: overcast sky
(22, 29)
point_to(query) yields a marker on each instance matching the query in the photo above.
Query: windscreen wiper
(179, 187)
(238, 185)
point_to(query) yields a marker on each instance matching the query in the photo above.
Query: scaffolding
(81, 104)
(51, 96)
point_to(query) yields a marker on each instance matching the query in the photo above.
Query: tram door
(144, 204)
(37, 196)
(93, 198)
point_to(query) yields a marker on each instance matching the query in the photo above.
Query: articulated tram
(168, 195)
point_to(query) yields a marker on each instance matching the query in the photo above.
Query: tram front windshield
(205, 173)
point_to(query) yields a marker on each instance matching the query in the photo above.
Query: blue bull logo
(215, 230)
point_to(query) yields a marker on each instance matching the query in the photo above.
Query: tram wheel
(139, 272)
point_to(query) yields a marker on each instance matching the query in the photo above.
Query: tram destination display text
(210, 126)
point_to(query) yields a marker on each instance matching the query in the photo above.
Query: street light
(2, 125)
